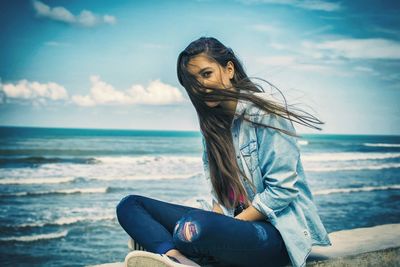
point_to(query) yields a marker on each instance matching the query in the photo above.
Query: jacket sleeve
(278, 155)
(207, 172)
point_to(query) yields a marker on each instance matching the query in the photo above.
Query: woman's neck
(230, 106)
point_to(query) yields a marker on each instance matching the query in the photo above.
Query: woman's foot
(181, 258)
(139, 258)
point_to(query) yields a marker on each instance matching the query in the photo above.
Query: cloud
(293, 63)
(86, 18)
(33, 91)
(373, 48)
(319, 5)
(109, 19)
(367, 70)
(102, 93)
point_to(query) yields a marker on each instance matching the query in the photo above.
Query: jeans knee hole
(187, 231)
(261, 233)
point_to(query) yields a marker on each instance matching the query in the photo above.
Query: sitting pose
(263, 212)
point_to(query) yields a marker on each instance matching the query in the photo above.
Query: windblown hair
(215, 123)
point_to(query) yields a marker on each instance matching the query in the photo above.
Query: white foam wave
(82, 190)
(39, 180)
(149, 160)
(381, 145)
(302, 142)
(61, 191)
(345, 156)
(67, 221)
(353, 168)
(113, 168)
(30, 238)
(147, 176)
(359, 189)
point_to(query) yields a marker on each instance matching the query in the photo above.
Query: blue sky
(112, 64)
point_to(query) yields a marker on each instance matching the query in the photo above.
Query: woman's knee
(190, 227)
(127, 203)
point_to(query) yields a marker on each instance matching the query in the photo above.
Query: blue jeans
(204, 236)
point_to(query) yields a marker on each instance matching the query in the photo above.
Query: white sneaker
(139, 258)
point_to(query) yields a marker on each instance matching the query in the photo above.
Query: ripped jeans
(205, 237)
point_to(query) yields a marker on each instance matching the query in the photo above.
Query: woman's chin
(213, 104)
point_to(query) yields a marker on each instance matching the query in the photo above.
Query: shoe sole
(140, 258)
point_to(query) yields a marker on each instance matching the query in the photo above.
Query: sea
(59, 187)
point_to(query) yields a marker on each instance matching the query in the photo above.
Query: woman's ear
(230, 67)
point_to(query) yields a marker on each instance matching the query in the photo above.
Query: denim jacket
(271, 159)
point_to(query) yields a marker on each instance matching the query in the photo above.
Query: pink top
(241, 198)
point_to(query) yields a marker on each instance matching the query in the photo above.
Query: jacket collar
(247, 106)
(240, 108)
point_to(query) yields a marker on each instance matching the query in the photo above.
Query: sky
(112, 64)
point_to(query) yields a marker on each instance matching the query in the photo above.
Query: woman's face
(210, 73)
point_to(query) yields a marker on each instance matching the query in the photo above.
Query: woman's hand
(217, 208)
(250, 214)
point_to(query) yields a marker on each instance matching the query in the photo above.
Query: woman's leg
(150, 222)
(230, 241)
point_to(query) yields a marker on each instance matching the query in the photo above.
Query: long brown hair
(215, 123)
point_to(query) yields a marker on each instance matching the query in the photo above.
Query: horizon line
(170, 130)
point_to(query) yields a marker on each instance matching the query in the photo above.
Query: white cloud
(305, 4)
(317, 31)
(367, 70)
(109, 19)
(278, 60)
(317, 5)
(38, 92)
(102, 93)
(293, 63)
(84, 101)
(373, 48)
(56, 13)
(85, 18)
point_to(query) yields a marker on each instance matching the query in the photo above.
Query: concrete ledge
(389, 257)
(359, 240)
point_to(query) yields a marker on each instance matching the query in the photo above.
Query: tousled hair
(215, 123)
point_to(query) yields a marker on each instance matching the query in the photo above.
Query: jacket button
(238, 157)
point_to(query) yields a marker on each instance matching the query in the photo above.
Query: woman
(263, 212)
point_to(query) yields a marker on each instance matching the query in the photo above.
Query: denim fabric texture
(271, 159)
(208, 238)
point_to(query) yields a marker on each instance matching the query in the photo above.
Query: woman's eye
(205, 74)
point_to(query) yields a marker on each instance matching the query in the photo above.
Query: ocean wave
(346, 156)
(353, 168)
(381, 145)
(302, 142)
(59, 192)
(144, 176)
(91, 177)
(149, 160)
(65, 221)
(31, 238)
(358, 189)
(36, 160)
(39, 180)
